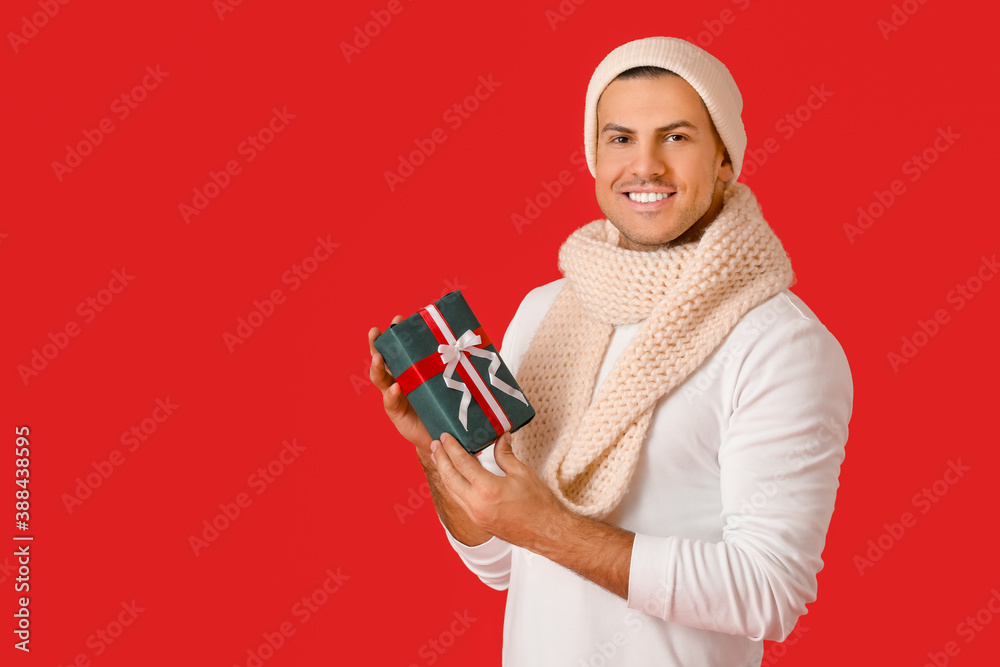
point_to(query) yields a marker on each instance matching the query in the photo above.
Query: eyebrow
(612, 127)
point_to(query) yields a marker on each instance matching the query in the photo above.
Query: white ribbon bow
(453, 354)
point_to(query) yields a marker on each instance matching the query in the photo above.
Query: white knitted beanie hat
(702, 70)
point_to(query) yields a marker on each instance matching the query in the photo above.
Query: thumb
(503, 453)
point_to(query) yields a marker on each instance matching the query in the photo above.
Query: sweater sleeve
(489, 561)
(779, 462)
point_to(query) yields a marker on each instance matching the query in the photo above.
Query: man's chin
(643, 242)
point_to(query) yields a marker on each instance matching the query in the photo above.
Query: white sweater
(730, 504)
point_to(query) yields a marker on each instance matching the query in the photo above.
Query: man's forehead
(665, 98)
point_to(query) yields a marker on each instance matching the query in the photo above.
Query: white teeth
(646, 197)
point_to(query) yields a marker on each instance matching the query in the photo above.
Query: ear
(726, 167)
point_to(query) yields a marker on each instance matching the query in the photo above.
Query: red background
(301, 374)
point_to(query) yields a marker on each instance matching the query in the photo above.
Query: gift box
(452, 374)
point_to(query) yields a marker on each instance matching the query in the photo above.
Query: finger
(373, 333)
(452, 478)
(379, 374)
(464, 462)
(394, 402)
(503, 454)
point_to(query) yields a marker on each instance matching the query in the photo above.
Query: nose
(648, 161)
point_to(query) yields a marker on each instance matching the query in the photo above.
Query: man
(669, 503)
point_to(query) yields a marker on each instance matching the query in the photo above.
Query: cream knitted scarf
(688, 297)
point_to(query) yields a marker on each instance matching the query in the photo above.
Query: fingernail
(434, 446)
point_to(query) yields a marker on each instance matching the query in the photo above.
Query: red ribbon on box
(431, 366)
(453, 355)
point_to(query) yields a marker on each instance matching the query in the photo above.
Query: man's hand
(520, 509)
(410, 426)
(399, 410)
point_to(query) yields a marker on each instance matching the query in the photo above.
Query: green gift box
(452, 374)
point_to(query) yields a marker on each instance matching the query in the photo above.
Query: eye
(679, 137)
(619, 139)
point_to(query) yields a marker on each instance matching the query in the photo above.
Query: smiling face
(661, 168)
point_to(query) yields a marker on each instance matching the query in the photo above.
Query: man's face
(656, 144)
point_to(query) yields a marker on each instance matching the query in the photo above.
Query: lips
(646, 197)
